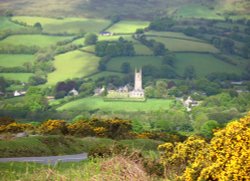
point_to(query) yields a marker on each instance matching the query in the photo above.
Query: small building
(19, 93)
(99, 91)
(106, 33)
(73, 92)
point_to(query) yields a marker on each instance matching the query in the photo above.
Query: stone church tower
(138, 80)
(138, 91)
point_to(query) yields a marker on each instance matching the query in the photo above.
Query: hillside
(126, 8)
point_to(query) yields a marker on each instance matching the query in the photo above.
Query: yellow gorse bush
(226, 157)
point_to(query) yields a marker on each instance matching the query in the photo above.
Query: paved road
(48, 159)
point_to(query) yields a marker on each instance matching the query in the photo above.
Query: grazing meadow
(73, 64)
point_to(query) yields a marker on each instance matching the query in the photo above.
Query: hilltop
(126, 8)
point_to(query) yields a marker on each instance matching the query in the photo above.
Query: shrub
(53, 127)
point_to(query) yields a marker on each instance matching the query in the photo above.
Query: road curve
(48, 159)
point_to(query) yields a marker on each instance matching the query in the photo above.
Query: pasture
(15, 60)
(97, 103)
(127, 26)
(203, 64)
(137, 61)
(32, 40)
(23, 77)
(73, 64)
(68, 25)
(169, 34)
(180, 45)
(105, 74)
(5, 24)
(142, 49)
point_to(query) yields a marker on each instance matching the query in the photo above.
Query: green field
(94, 103)
(69, 25)
(5, 24)
(105, 74)
(137, 61)
(32, 40)
(179, 45)
(128, 26)
(23, 77)
(196, 10)
(116, 37)
(14, 60)
(169, 34)
(142, 49)
(203, 64)
(73, 64)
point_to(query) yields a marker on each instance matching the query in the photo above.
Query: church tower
(138, 80)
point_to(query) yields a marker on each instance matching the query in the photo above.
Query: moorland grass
(181, 45)
(73, 64)
(203, 64)
(135, 62)
(97, 103)
(197, 11)
(23, 77)
(32, 40)
(69, 25)
(15, 60)
(128, 26)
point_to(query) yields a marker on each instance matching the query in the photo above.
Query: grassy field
(69, 25)
(142, 49)
(105, 74)
(137, 61)
(96, 103)
(14, 60)
(178, 45)
(128, 26)
(169, 34)
(32, 40)
(23, 77)
(203, 64)
(5, 24)
(73, 65)
(196, 10)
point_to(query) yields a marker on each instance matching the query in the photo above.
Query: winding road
(48, 159)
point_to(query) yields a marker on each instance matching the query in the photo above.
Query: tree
(227, 45)
(3, 84)
(90, 39)
(159, 49)
(208, 127)
(35, 100)
(189, 72)
(125, 67)
(38, 26)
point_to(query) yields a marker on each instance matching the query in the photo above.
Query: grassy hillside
(137, 61)
(128, 26)
(203, 64)
(14, 60)
(178, 45)
(97, 103)
(23, 77)
(73, 65)
(69, 25)
(31, 40)
(5, 24)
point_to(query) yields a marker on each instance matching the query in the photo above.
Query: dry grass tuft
(121, 168)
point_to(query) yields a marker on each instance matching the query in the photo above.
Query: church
(124, 93)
